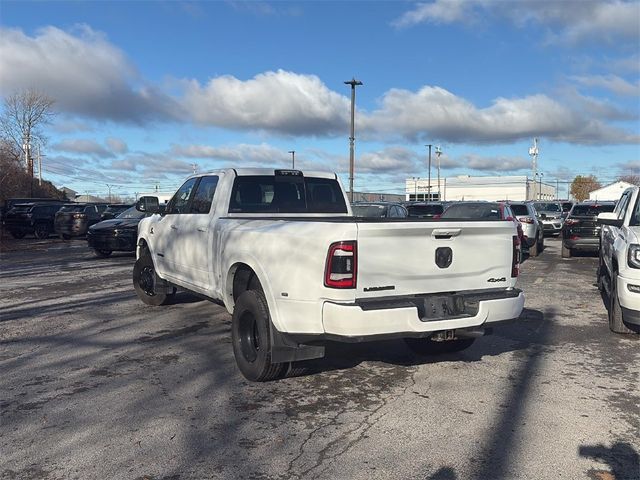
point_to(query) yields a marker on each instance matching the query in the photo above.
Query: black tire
(144, 279)
(600, 274)
(251, 338)
(426, 346)
(102, 253)
(616, 322)
(540, 242)
(17, 234)
(65, 236)
(566, 252)
(41, 231)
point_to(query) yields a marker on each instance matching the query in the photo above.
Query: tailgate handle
(444, 233)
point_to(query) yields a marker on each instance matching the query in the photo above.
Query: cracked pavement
(94, 384)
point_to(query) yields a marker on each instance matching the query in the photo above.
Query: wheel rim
(41, 231)
(147, 280)
(249, 337)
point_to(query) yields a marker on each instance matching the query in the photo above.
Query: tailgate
(400, 258)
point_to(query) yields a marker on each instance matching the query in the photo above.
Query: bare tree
(25, 112)
(632, 179)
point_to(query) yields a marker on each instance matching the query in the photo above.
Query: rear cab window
(288, 192)
(479, 211)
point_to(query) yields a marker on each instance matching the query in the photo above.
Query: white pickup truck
(619, 268)
(283, 253)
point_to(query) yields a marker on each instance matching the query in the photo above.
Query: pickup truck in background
(284, 254)
(619, 262)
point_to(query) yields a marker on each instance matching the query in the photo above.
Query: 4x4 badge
(495, 280)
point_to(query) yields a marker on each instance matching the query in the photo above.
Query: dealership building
(466, 187)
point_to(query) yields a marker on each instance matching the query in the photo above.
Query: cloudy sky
(147, 91)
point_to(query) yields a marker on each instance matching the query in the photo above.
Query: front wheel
(144, 282)
(66, 236)
(251, 338)
(616, 322)
(102, 253)
(426, 346)
(41, 231)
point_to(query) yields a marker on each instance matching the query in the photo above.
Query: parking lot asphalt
(96, 385)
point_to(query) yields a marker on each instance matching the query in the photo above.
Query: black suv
(35, 218)
(74, 219)
(581, 230)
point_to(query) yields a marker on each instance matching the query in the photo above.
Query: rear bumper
(353, 322)
(591, 244)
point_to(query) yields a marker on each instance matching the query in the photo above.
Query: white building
(610, 192)
(466, 187)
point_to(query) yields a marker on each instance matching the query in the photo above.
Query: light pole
(353, 82)
(438, 153)
(429, 182)
(293, 159)
(415, 188)
(540, 189)
(109, 187)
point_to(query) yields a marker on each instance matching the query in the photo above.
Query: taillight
(342, 265)
(515, 259)
(571, 221)
(526, 219)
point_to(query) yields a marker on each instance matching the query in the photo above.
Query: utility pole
(40, 165)
(438, 153)
(429, 182)
(533, 152)
(353, 82)
(109, 187)
(293, 159)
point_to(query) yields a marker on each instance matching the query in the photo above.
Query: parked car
(34, 218)
(484, 211)
(283, 252)
(118, 234)
(581, 230)
(379, 210)
(74, 219)
(113, 210)
(532, 228)
(9, 203)
(550, 214)
(425, 209)
(619, 266)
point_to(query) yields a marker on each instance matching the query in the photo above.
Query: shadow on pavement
(622, 458)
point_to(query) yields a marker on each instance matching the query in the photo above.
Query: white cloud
(281, 102)
(568, 22)
(433, 112)
(496, 164)
(117, 145)
(84, 73)
(241, 154)
(613, 83)
(83, 146)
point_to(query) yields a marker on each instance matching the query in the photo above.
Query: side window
(621, 207)
(204, 195)
(180, 201)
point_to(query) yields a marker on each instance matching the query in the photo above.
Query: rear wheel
(102, 253)
(251, 338)
(66, 236)
(566, 252)
(18, 234)
(144, 282)
(426, 346)
(616, 322)
(41, 231)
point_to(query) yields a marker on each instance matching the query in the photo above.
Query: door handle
(203, 229)
(173, 227)
(445, 232)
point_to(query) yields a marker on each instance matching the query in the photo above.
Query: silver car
(550, 214)
(533, 231)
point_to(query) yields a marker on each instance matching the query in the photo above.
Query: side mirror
(148, 205)
(610, 218)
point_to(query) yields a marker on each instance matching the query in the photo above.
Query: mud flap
(284, 349)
